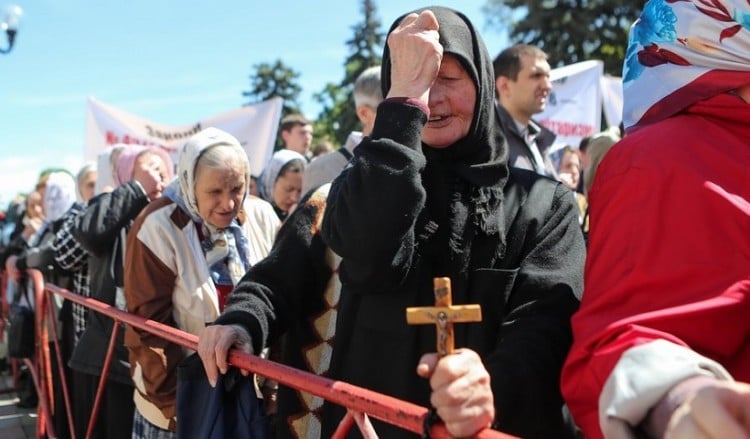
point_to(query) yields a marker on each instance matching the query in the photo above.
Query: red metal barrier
(4, 307)
(39, 366)
(386, 408)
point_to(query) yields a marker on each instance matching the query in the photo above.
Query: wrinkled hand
(150, 171)
(416, 54)
(214, 343)
(10, 268)
(718, 411)
(461, 391)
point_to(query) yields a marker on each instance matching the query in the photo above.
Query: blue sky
(173, 62)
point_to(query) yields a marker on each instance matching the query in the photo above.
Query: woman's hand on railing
(214, 343)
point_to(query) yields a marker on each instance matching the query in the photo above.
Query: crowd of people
(314, 261)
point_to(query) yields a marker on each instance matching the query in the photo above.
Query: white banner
(612, 100)
(574, 106)
(254, 126)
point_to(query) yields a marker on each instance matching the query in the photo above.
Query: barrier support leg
(61, 368)
(103, 379)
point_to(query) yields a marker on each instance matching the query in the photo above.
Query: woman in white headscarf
(105, 161)
(281, 181)
(185, 253)
(86, 182)
(59, 196)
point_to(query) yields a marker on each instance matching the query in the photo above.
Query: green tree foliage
(271, 80)
(569, 31)
(338, 117)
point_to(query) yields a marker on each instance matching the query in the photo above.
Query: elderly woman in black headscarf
(508, 239)
(429, 194)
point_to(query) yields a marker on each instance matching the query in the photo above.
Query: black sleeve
(106, 214)
(279, 288)
(536, 335)
(69, 254)
(41, 257)
(16, 245)
(374, 203)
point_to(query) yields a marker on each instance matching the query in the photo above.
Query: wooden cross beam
(443, 315)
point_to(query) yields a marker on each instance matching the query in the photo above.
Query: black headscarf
(464, 181)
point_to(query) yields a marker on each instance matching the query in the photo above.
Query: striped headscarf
(681, 52)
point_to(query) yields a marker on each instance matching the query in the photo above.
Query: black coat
(286, 293)
(402, 213)
(98, 231)
(527, 296)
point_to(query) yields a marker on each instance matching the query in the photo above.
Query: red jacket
(669, 249)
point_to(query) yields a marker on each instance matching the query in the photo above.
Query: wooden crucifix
(443, 315)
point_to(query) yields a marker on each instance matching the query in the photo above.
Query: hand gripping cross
(443, 315)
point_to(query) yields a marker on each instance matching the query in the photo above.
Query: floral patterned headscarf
(681, 52)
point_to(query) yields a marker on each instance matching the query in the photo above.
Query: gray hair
(598, 147)
(222, 156)
(367, 89)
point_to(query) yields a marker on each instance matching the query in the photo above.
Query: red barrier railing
(4, 307)
(40, 366)
(386, 408)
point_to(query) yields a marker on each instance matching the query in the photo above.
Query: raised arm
(277, 292)
(371, 219)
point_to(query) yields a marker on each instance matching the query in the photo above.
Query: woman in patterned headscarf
(662, 330)
(185, 253)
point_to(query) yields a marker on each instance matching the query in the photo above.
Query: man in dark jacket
(523, 85)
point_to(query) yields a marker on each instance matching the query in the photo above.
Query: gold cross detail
(443, 315)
